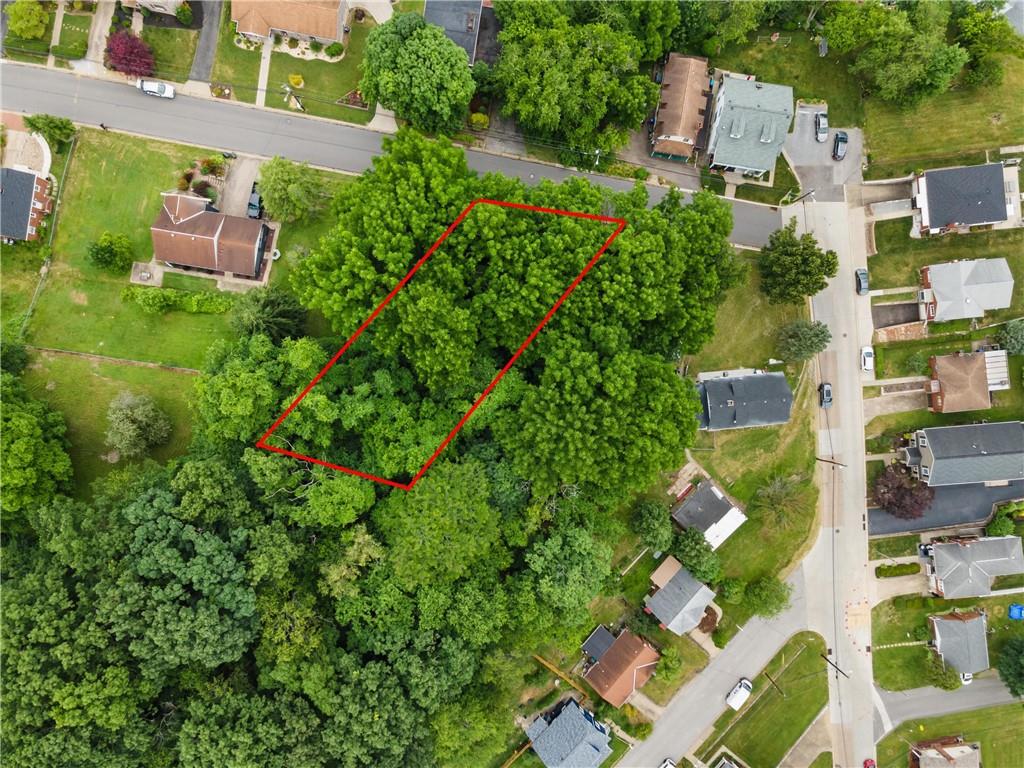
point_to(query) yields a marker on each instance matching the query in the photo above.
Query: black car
(255, 209)
(825, 395)
(839, 147)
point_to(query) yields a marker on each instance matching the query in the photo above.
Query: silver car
(155, 88)
(821, 127)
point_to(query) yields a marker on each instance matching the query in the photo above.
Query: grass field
(785, 182)
(235, 66)
(82, 390)
(997, 728)
(114, 184)
(989, 117)
(893, 546)
(173, 51)
(769, 724)
(325, 81)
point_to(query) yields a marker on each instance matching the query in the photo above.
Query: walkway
(383, 121)
(58, 22)
(901, 380)
(815, 740)
(261, 83)
(101, 20)
(206, 49)
(892, 291)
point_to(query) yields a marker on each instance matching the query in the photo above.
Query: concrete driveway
(885, 315)
(238, 184)
(812, 160)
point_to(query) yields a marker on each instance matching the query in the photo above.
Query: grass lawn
(325, 81)
(33, 51)
(769, 725)
(173, 51)
(410, 6)
(997, 728)
(661, 688)
(188, 282)
(895, 620)
(893, 546)
(785, 182)
(619, 748)
(82, 391)
(234, 66)
(74, 30)
(798, 65)
(824, 760)
(986, 118)
(114, 184)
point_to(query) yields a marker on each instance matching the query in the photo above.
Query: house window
(922, 440)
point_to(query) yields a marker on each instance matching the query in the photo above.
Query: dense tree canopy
(793, 268)
(27, 19)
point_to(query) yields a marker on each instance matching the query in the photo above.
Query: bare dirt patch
(79, 298)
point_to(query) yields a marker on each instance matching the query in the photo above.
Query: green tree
(336, 500)
(732, 590)
(783, 502)
(697, 556)
(651, 522)
(27, 19)
(569, 567)
(271, 311)
(290, 190)
(1001, 525)
(803, 339)
(413, 68)
(792, 267)
(135, 424)
(57, 131)
(1011, 665)
(210, 492)
(767, 596)
(13, 356)
(111, 251)
(1012, 337)
(940, 674)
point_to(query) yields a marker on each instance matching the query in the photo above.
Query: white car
(155, 88)
(867, 359)
(821, 127)
(668, 762)
(739, 694)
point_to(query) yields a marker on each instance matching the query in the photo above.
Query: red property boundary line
(262, 442)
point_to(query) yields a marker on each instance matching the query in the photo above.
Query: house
(732, 400)
(706, 508)
(470, 24)
(569, 737)
(971, 453)
(968, 196)
(24, 203)
(963, 381)
(679, 599)
(950, 752)
(964, 289)
(189, 232)
(749, 126)
(169, 7)
(321, 20)
(617, 667)
(961, 640)
(966, 567)
(679, 124)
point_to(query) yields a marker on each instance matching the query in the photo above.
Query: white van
(738, 696)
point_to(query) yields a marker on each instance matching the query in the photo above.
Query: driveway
(812, 160)
(238, 184)
(964, 505)
(918, 703)
(206, 49)
(885, 315)
(900, 402)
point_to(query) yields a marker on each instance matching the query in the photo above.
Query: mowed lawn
(173, 51)
(19, 274)
(82, 390)
(74, 29)
(234, 66)
(960, 121)
(997, 728)
(114, 184)
(324, 81)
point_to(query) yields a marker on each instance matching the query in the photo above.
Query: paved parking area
(238, 184)
(886, 315)
(812, 160)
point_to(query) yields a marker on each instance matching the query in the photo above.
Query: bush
(1001, 525)
(940, 675)
(900, 569)
(73, 51)
(135, 424)
(182, 183)
(293, 42)
(111, 251)
(670, 662)
(316, 46)
(277, 39)
(334, 49)
(184, 14)
(921, 632)
(268, 311)
(146, 13)
(212, 165)
(296, 81)
(719, 638)
(917, 364)
(767, 596)
(732, 590)
(479, 121)
(13, 356)
(1012, 337)
(651, 522)
(155, 301)
(57, 131)
(200, 186)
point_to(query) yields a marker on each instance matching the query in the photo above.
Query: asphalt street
(246, 129)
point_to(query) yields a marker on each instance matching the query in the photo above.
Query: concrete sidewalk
(92, 64)
(58, 22)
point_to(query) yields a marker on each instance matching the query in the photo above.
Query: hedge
(75, 51)
(155, 301)
(902, 569)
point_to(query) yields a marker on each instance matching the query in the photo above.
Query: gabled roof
(964, 289)
(966, 568)
(460, 20)
(948, 756)
(682, 97)
(572, 739)
(752, 123)
(624, 668)
(680, 604)
(968, 195)
(316, 18)
(17, 188)
(707, 509)
(963, 380)
(752, 400)
(976, 453)
(961, 640)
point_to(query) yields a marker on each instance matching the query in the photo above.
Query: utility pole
(837, 669)
(830, 461)
(776, 685)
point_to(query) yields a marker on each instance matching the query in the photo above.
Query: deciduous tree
(271, 311)
(111, 251)
(127, 53)
(290, 190)
(1011, 665)
(650, 520)
(135, 424)
(900, 496)
(57, 131)
(792, 267)
(767, 596)
(27, 19)
(697, 556)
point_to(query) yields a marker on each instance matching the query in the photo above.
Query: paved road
(918, 703)
(206, 49)
(229, 125)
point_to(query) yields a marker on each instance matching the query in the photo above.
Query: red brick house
(24, 203)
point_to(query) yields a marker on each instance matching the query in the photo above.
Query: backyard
(173, 51)
(997, 728)
(236, 67)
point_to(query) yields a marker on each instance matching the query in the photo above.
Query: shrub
(268, 311)
(73, 51)
(940, 675)
(135, 424)
(128, 54)
(211, 194)
(277, 39)
(334, 49)
(731, 590)
(293, 42)
(183, 183)
(316, 46)
(899, 569)
(295, 80)
(189, 175)
(1001, 525)
(651, 522)
(199, 186)
(901, 496)
(111, 251)
(921, 632)
(767, 596)
(212, 165)
(479, 121)
(719, 638)
(13, 356)
(57, 131)
(670, 661)
(155, 301)
(1012, 337)
(917, 364)
(146, 13)
(184, 14)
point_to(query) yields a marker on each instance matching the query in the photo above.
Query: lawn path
(115, 360)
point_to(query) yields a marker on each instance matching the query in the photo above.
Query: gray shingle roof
(573, 739)
(965, 289)
(701, 508)
(962, 643)
(754, 400)
(16, 191)
(460, 20)
(969, 195)
(966, 569)
(680, 604)
(598, 643)
(752, 125)
(976, 453)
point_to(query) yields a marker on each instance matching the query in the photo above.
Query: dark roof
(976, 453)
(17, 189)
(701, 508)
(680, 604)
(753, 400)
(966, 568)
(970, 195)
(487, 41)
(572, 739)
(460, 20)
(598, 643)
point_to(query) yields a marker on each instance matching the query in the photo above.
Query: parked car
(821, 126)
(869, 763)
(862, 281)
(255, 209)
(966, 678)
(155, 88)
(839, 147)
(825, 395)
(867, 359)
(740, 693)
(668, 762)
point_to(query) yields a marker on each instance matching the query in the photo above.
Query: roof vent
(730, 403)
(768, 132)
(736, 131)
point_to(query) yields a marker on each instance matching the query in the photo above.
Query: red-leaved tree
(129, 54)
(900, 495)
